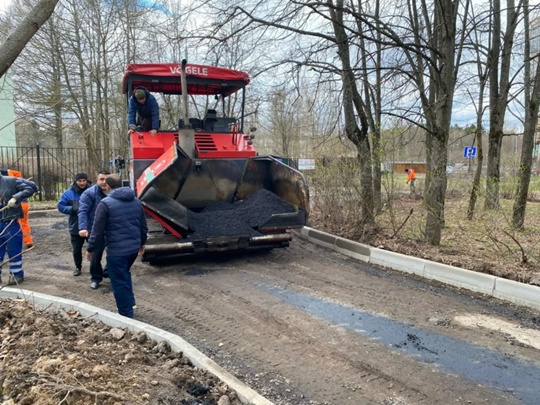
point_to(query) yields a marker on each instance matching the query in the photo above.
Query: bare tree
(499, 63)
(482, 74)
(532, 101)
(432, 49)
(284, 122)
(353, 105)
(372, 90)
(437, 105)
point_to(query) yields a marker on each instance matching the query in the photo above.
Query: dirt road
(306, 326)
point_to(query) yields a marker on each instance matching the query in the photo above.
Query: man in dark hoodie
(69, 205)
(143, 111)
(120, 223)
(12, 192)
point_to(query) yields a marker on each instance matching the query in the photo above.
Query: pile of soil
(53, 357)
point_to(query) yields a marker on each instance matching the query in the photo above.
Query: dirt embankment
(60, 357)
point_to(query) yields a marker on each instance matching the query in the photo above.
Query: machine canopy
(201, 80)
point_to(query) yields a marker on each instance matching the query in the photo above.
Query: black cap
(80, 176)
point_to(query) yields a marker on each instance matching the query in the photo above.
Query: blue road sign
(469, 152)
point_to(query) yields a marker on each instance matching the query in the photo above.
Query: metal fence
(53, 169)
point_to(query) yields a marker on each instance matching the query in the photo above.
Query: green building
(7, 111)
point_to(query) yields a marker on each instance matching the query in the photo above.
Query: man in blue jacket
(12, 192)
(120, 223)
(143, 110)
(87, 208)
(69, 205)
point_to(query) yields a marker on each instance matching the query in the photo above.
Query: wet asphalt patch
(479, 364)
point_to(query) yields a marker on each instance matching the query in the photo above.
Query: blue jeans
(11, 240)
(119, 268)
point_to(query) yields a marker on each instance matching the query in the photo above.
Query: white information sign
(306, 164)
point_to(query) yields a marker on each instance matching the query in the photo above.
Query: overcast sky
(4, 4)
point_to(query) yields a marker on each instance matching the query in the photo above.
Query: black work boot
(77, 272)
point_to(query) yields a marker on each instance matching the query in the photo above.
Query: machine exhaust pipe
(183, 83)
(186, 135)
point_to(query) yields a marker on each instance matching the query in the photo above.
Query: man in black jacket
(12, 192)
(120, 222)
(69, 205)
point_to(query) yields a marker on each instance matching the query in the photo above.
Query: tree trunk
(366, 186)
(436, 189)
(520, 202)
(478, 172)
(438, 115)
(17, 40)
(532, 99)
(493, 169)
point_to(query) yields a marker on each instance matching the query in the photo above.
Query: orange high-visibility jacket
(25, 224)
(412, 175)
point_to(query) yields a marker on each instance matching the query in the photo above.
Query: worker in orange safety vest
(25, 224)
(411, 179)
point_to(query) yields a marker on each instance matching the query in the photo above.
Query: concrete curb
(246, 394)
(397, 261)
(518, 293)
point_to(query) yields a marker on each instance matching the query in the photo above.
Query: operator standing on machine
(143, 111)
